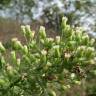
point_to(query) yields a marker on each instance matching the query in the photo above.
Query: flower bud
(67, 55)
(29, 34)
(64, 21)
(49, 64)
(77, 82)
(13, 55)
(23, 29)
(92, 61)
(85, 38)
(25, 49)
(57, 51)
(2, 49)
(18, 61)
(57, 39)
(73, 75)
(16, 44)
(92, 41)
(50, 39)
(27, 28)
(10, 70)
(81, 48)
(65, 87)
(42, 32)
(44, 52)
(90, 51)
(51, 92)
(32, 34)
(42, 41)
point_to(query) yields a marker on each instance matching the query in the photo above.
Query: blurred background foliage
(79, 12)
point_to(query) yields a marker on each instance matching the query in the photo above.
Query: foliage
(46, 66)
(4, 3)
(78, 12)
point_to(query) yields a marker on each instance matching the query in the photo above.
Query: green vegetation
(46, 66)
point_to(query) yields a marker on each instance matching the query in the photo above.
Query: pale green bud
(32, 34)
(25, 49)
(91, 49)
(28, 28)
(85, 38)
(81, 48)
(91, 61)
(64, 21)
(42, 32)
(16, 44)
(67, 55)
(42, 41)
(13, 55)
(57, 39)
(49, 64)
(78, 33)
(51, 93)
(79, 30)
(50, 39)
(92, 41)
(18, 61)
(23, 29)
(73, 75)
(56, 48)
(44, 52)
(29, 34)
(2, 49)
(10, 70)
(65, 87)
(77, 82)
(68, 86)
(68, 28)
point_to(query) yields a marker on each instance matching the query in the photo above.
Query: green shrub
(46, 66)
